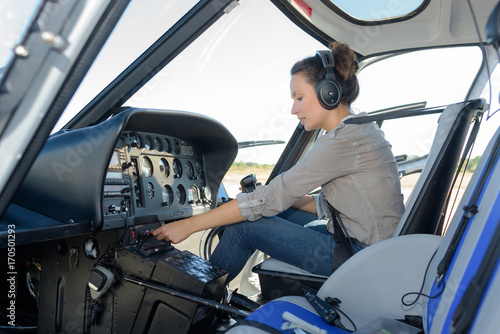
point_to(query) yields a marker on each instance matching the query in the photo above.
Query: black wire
(459, 185)
(483, 49)
(334, 303)
(349, 319)
(419, 293)
(107, 258)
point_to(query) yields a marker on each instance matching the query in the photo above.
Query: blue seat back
(473, 233)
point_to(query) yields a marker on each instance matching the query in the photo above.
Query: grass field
(233, 177)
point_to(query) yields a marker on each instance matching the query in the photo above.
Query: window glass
(14, 17)
(238, 73)
(435, 77)
(491, 120)
(411, 145)
(131, 37)
(489, 125)
(376, 10)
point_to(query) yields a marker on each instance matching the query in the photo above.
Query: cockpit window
(225, 74)
(130, 38)
(435, 77)
(376, 11)
(14, 17)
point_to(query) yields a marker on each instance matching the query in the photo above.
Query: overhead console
(138, 167)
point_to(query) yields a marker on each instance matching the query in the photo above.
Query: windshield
(130, 38)
(376, 10)
(14, 17)
(224, 74)
(238, 73)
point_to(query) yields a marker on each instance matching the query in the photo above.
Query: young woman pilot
(352, 163)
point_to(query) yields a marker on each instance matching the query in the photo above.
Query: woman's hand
(180, 230)
(174, 232)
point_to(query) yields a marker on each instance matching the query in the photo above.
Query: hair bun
(346, 63)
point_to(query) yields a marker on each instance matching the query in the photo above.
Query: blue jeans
(283, 237)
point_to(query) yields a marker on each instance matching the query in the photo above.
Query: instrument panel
(152, 174)
(137, 169)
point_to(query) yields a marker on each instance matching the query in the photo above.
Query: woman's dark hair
(346, 67)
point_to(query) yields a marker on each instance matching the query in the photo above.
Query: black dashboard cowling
(67, 179)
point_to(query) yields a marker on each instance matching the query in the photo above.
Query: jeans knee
(234, 230)
(239, 233)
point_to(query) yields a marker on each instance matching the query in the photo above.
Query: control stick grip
(248, 183)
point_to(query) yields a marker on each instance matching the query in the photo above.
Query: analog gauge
(139, 142)
(193, 196)
(148, 143)
(198, 170)
(180, 194)
(167, 195)
(176, 146)
(167, 145)
(158, 144)
(177, 168)
(207, 194)
(150, 190)
(188, 166)
(164, 167)
(147, 167)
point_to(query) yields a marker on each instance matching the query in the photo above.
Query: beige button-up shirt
(358, 175)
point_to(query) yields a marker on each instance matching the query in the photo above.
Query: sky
(377, 9)
(239, 71)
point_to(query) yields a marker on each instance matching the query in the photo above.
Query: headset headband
(326, 57)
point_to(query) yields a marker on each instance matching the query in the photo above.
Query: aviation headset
(328, 89)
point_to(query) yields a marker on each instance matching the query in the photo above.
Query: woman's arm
(306, 203)
(180, 230)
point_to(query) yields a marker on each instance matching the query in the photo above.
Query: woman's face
(306, 105)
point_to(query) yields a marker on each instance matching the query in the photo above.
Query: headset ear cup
(329, 93)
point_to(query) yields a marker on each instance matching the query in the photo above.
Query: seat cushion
(373, 281)
(271, 314)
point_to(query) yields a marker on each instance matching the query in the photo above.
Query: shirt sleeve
(330, 158)
(322, 210)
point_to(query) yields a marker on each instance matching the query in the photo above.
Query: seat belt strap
(343, 245)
